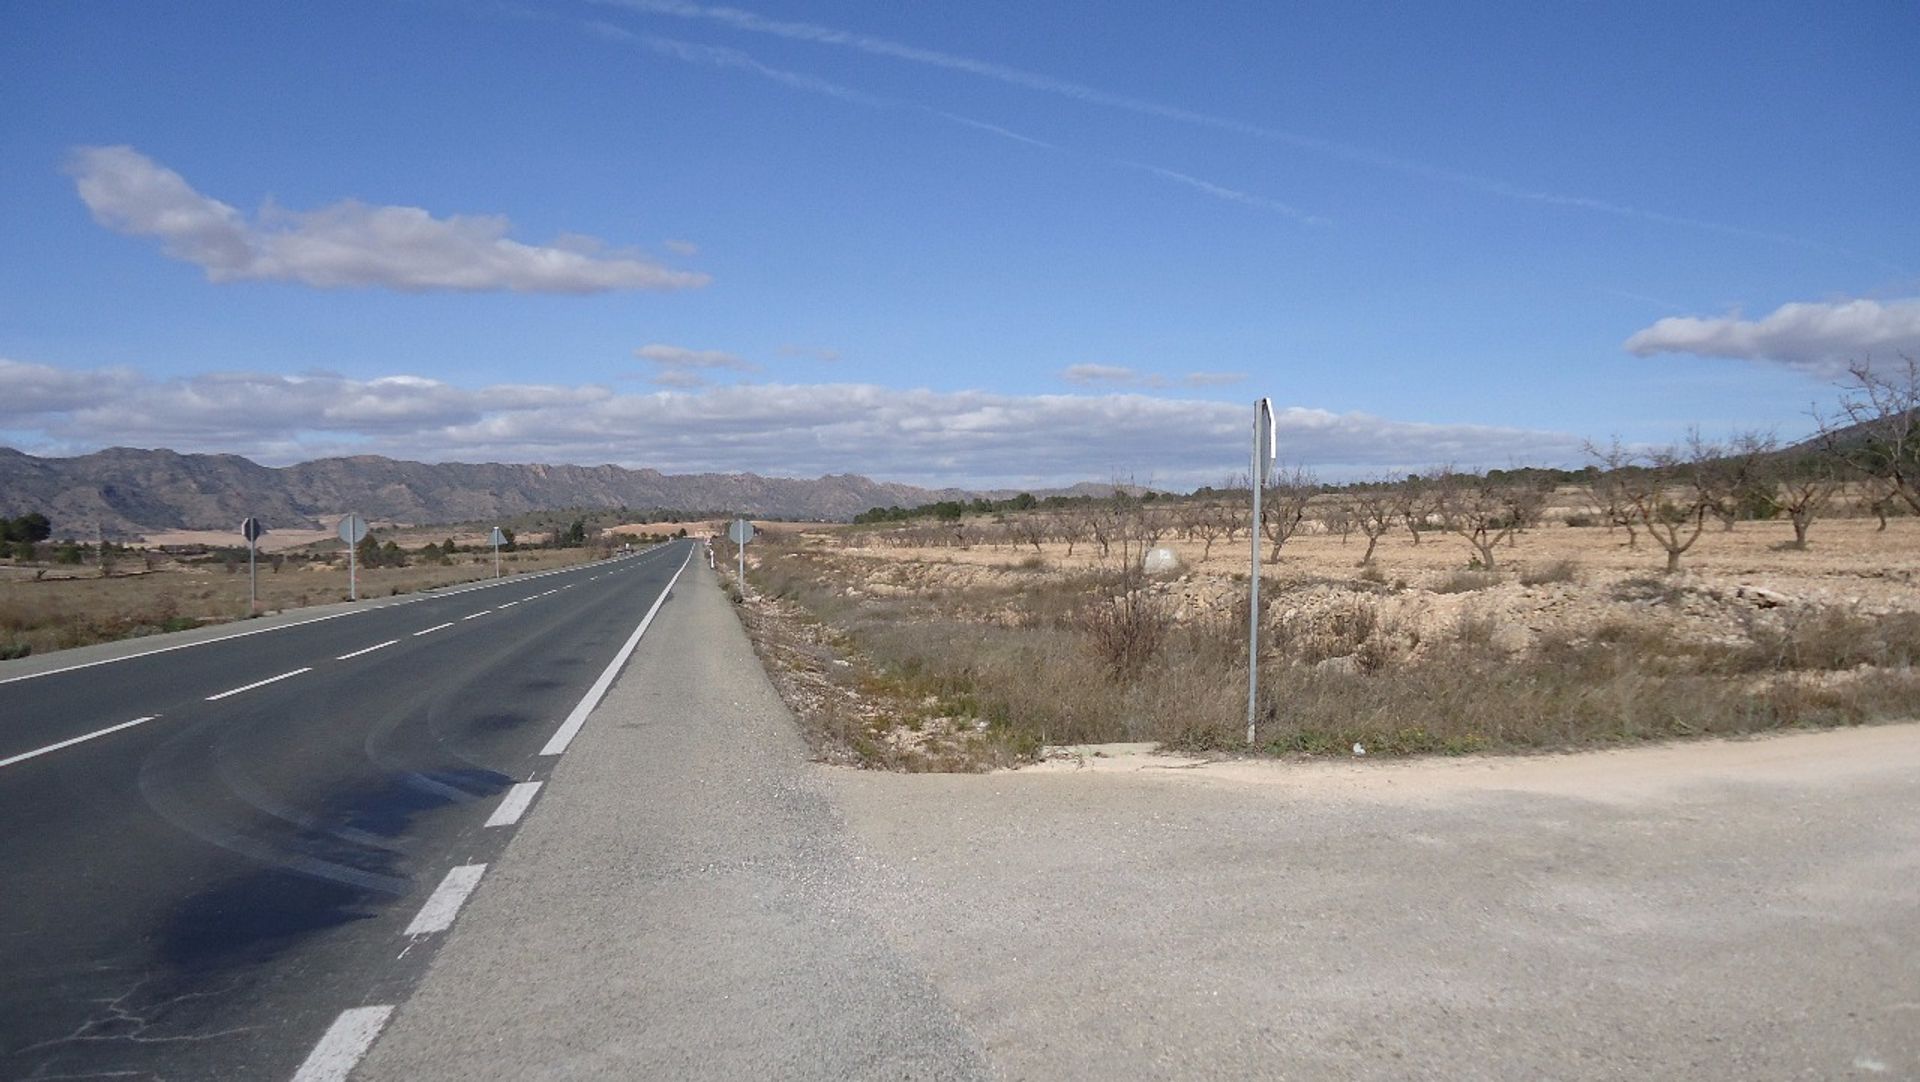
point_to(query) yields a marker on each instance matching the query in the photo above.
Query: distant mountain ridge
(125, 492)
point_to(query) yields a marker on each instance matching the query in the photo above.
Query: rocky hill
(125, 492)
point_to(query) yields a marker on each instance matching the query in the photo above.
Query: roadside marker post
(1264, 453)
(251, 529)
(740, 531)
(498, 537)
(353, 530)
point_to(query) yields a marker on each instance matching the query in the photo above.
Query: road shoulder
(677, 904)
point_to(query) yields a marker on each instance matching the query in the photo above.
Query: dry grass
(985, 661)
(56, 614)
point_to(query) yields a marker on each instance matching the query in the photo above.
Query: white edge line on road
(434, 628)
(340, 1049)
(258, 684)
(368, 650)
(477, 615)
(512, 806)
(461, 588)
(24, 756)
(444, 903)
(571, 727)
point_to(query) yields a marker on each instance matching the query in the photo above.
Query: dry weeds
(1578, 641)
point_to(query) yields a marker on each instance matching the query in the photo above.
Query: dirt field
(956, 656)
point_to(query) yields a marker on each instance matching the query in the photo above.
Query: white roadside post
(353, 530)
(740, 532)
(1264, 452)
(251, 530)
(498, 538)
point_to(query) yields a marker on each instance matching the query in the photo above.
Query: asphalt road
(211, 852)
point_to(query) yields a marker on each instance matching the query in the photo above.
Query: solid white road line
(258, 684)
(368, 650)
(351, 1034)
(24, 756)
(571, 727)
(434, 628)
(444, 903)
(477, 615)
(512, 806)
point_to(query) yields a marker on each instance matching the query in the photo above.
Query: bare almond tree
(1485, 511)
(1803, 489)
(1668, 501)
(1877, 430)
(1284, 506)
(1338, 516)
(1207, 520)
(1414, 502)
(1607, 489)
(1373, 515)
(1733, 476)
(1027, 528)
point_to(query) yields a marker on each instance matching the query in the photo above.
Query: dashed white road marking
(258, 684)
(434, 628)
(444, 903)
(24, 756)
(508, 605)
(340, 1049)
(571, 727)
(477, 615)
(368, 650)
(514, 804)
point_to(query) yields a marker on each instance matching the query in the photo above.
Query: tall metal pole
(496, 552)
(743, 569)
(353, 582)
(253, 588)
(1253, 602)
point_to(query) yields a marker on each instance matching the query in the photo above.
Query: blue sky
(985, 243)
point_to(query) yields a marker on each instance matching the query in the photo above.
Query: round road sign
(353, 529)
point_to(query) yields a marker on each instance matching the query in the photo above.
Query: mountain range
(125, 492)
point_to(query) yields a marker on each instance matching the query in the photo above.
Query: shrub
(1126, 631)
(1463, 582)
(1557, 571)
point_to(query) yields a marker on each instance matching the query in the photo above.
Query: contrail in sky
(812, 33)
(717, 56)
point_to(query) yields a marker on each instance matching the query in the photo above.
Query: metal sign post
(1264, 452)
(353, 530)
(498, 539)
(251, 530)
(740, 532)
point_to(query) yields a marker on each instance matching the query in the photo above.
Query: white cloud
(1821, 339)
(1213, 379)
(967, 437)
(1089, 374)
(346, 244)
(29, 389)
(681, 247)
(825, 356)
(682, 357)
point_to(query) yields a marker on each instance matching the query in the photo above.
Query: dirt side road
(1710, 910)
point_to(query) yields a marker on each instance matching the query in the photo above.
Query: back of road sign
(740, 531)
(353, 529)
(251, 530)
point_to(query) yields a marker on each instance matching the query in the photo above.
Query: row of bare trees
(1870, 446)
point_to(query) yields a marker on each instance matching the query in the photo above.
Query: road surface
(211, 851)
